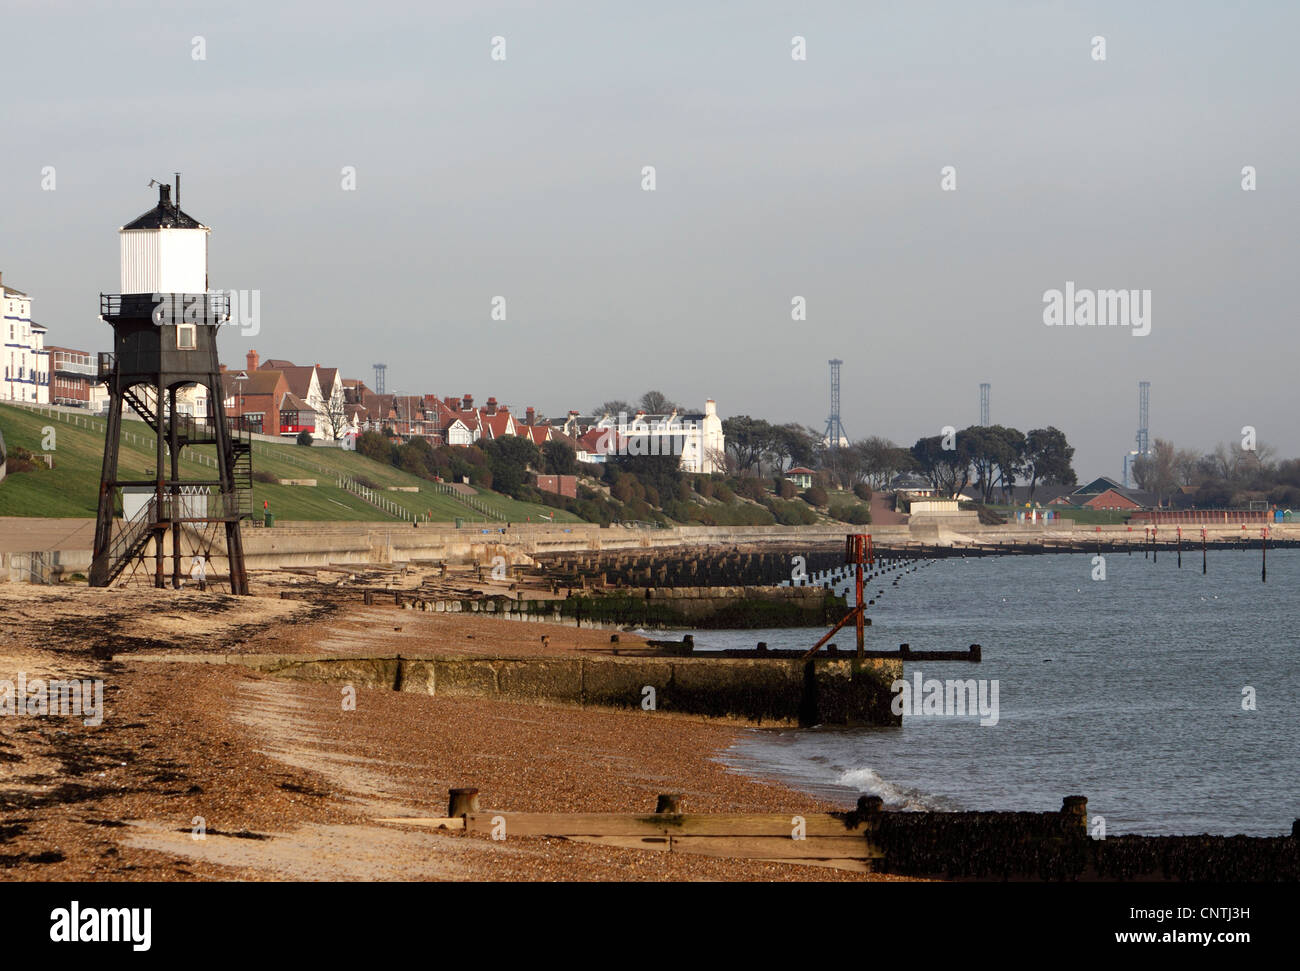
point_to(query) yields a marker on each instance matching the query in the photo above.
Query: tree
(509, 459)
(334, 417)
(996, 452)
(417, 457)
(1155, 473)
(1187, 466)
(748, 440)
(517, 451)
(1048, 458)
(789, 442)
(662, 473)
(614, 408)
(375, 446)
(1010, 459)
(881, 460)
(304, 438)
(948, 470)
(559, 458)
(657, 403)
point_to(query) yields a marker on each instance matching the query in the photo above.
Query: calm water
(1127, 690)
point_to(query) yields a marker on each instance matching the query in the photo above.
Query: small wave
(869, 782)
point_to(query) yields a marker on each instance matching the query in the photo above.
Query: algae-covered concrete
(764, 691)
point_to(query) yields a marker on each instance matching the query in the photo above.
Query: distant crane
(834, 427)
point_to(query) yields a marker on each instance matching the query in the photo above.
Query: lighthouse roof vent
(165, 215)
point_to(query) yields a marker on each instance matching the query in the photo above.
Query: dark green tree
(1048, 458)
(559, 458)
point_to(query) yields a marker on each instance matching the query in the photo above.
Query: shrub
(792, 513)
(304, 438)
(22, 460)
(751, 487)
(816, 496)
(376, 446)
(786, 489)
(862, 491)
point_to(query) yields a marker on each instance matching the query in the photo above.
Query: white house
(698, 436)
(26, 361)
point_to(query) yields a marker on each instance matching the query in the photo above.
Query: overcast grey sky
(775, 178)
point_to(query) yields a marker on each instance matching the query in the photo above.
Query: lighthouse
(165, 322)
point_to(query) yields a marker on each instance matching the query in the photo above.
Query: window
(186, 337)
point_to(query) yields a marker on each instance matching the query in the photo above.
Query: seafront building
(72, 375)
(26, 361)
(696, 436)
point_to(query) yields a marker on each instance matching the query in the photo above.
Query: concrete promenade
(313, 544)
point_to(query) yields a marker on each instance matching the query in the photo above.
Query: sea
(1168, 697)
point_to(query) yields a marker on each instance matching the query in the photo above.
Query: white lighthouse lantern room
(165, 250)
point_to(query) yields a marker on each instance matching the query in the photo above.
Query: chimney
(252, 360)
(468, 402)
(223, 368)
(453, 404)
(164, 195)
(491, 408)
(530, 417)
(710, 408)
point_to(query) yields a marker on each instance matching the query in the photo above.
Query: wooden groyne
(1049, 846)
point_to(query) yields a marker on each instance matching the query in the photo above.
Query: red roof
(1110, 499)
(598, 441)
(537, 434)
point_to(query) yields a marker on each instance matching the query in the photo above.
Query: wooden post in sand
(462, 802)
(669, 802)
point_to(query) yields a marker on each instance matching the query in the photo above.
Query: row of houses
(278, 397)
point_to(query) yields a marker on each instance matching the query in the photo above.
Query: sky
(775, 178)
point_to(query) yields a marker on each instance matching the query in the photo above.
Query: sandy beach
(287, 785)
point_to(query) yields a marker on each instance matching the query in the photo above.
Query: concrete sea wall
(780, 692)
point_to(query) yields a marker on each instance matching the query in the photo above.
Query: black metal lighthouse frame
(163, 342)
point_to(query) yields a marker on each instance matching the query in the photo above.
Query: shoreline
(287, 784)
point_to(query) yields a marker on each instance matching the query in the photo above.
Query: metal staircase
(131, 538)
(141, 406)
(241, 467)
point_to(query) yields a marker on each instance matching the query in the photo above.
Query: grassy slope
(70, 489)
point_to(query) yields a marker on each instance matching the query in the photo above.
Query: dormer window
(186, 337)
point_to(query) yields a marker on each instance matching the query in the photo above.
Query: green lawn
(71, 488)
